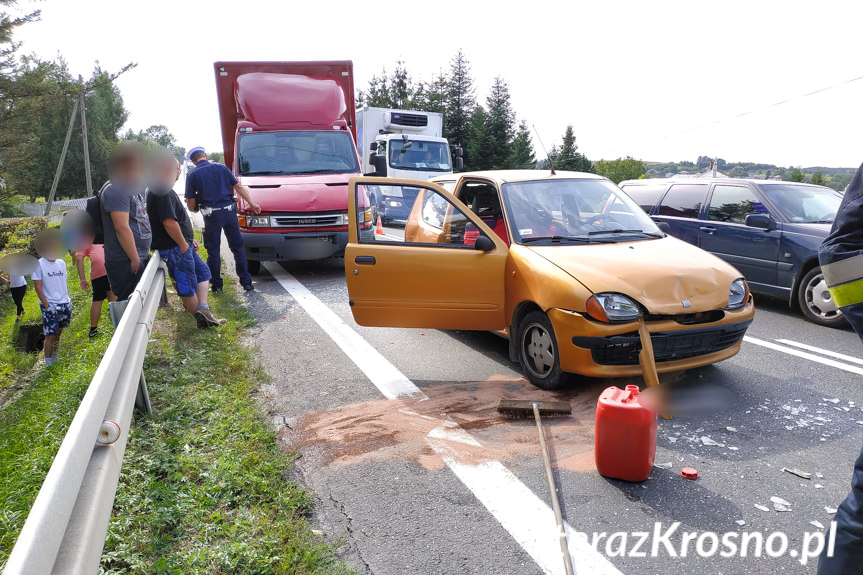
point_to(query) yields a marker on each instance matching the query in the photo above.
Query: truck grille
(412, 120)
(667, 346)
(307, 220)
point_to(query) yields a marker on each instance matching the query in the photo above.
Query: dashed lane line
(528, 519)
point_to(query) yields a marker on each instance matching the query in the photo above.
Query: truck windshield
(419, 155)
(296, 152)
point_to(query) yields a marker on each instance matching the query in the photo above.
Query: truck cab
(288, 136)
(402, 144)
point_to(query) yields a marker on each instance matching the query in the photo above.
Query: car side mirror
(459, 163)
(380, 164)
(373, 146)
(484, 244)
(663, 227)
(762, 221)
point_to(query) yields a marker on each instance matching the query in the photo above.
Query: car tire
(815, 301)
(538, 352)
(254, 266)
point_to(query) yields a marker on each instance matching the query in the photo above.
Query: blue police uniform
(212, 185)
(841, 259)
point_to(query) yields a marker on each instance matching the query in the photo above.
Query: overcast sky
(660, 81)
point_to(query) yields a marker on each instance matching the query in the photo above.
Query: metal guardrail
(67, 524)
(59, 205)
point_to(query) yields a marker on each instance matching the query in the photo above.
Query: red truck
(288, 135)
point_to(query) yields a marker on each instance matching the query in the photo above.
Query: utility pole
(62, 160)
(86, 145)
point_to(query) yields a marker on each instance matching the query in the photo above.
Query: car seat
(486, 205)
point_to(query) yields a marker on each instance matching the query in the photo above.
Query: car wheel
(538, 352)
(815, 301)
(254, 266)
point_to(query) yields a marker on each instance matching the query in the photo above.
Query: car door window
(645, 195)
(683, 200)
(733, 203)
(432, 220)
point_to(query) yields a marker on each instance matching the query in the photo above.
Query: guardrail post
(142, 398)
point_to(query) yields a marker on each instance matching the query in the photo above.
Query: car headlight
(737, 294)
(258, 221)
(364, 218)
(612, 308)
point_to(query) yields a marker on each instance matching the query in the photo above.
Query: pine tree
(460, 102)
(521, 152)
(477, 151)
(378, 94)
(500, 125)
(567, 157)
(401, 88)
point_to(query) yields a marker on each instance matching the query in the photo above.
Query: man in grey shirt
(124, 219)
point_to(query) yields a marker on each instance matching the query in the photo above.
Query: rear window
(645, 196)
(683, 200)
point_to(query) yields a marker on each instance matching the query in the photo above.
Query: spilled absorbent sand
(383, 430)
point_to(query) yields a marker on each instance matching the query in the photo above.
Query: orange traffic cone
(379, 229)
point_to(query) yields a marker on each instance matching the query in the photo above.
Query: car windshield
(574, 210)
(296, 152)
(419, 155)
(803, 203)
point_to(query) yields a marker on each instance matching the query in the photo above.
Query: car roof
(683, 180)
(504, 176)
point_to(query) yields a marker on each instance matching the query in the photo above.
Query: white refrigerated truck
(402, 144)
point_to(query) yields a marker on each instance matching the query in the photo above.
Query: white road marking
(826, 352)
(804, 355)
(524, 515)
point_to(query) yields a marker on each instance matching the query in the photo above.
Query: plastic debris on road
(817, 524)
(710, 443)
(663, 465)
(797, 472)
(830, 510)
(740, 522)
(762, 507)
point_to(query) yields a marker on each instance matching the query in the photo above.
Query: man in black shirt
(174, 239)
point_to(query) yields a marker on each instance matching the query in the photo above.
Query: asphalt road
(408, 498)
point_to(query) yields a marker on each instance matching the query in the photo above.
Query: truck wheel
(815, 301)
(254, 266)
(538, 352)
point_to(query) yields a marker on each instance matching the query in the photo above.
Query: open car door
(442, 268)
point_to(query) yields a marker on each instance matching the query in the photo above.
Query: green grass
(32, 427)
(203, 487)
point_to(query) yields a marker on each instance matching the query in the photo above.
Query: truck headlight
(738, 293)
(612, 308)
(258, 221)
(364, 218)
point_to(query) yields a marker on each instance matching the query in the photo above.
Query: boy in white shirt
(49, 281)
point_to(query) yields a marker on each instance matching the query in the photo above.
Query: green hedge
(18, 234)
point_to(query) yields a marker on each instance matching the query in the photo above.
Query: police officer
(210, 188)
(841, 259)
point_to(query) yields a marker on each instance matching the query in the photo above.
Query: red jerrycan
(625, 435)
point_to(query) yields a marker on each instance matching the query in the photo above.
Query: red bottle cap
(689, 473)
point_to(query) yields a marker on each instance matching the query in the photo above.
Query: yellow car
(563, 264)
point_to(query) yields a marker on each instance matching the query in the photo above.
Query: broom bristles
(522, 408)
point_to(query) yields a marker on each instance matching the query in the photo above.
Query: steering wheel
(600, 219)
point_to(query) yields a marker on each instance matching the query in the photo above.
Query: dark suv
(769, 230)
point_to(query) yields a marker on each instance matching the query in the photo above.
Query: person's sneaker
(202, 321)
(211, 319)
(249, 287)
(94, 331)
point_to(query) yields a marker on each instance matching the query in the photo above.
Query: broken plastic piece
(709, 442)
(663, 465)
(816, 524)
(762, 507)
(797, 472)
(830, 510)
(740, 522)
(779, 501)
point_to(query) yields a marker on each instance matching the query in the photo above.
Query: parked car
(565, 265)
(769, 230)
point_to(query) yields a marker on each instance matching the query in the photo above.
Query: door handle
(708, 230)
(369, 260)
